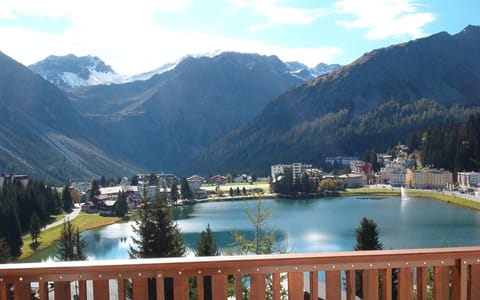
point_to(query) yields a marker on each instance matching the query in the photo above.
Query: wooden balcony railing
(456, 275)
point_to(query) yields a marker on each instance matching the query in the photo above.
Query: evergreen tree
(366, 239)
(95, 189)
(206, 245)
(153, 179)
(134, 180)
(35, 228)
(70, 246)
(185, 189)
(10, 229)
(67, 202)
(174, 191)
(158, 236)
(4, 251)
(121, 205)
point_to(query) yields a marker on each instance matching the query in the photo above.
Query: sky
(142, 35)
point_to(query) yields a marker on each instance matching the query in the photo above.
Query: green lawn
(444, 197)
(415, 193)
(48, 237)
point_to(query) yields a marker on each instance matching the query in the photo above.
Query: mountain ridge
(72, 71)
(444, 68)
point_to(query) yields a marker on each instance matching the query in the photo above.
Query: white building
(295, 168)
(195, 182)
(468, 180)
(353, 180)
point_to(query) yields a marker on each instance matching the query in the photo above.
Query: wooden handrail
(456, 272)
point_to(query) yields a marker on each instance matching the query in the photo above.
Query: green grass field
(415, 193)
(49, 236)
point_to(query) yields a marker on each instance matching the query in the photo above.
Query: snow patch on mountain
(305, 73)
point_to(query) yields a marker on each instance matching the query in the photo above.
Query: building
(12, 178)
(296, 168)
(361, 167)
(428, 178)
(397, 177)
(342, 160)
(353, 180)
(195, 182)
(468, 180)
(218, 179)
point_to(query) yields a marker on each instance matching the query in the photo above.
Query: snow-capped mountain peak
(71, 71)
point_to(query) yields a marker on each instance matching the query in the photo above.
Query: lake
(313, 225)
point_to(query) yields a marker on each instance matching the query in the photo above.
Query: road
(70, 216)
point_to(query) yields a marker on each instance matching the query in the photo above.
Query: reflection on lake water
(313, 225)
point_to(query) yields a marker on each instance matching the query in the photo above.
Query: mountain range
(70, 71)
(230, 111)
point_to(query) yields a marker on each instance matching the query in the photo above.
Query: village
(398, 170)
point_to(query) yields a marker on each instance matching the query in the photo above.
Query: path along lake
(313, 225)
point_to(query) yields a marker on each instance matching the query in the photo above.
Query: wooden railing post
(387, 284)
(180, 287)
(459, 280)
(82, 290)
(370, 284)
(422, 273)
(257, 286)
(276, 286)
(160, 287)
(238, 287)
(43, 290)
(475, 282)
(333, 288)
(405, 284)
(441, 289)
(219, 287)
(139, 288)
(62, 290)
(295, 286)
(101, 290)
(200, 289)
(350, 284)
(22, 290)
(314, 285)
(3, 289)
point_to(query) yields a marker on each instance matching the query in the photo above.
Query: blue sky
(141, 35)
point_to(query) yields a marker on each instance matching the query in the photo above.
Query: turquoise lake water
(313, 225)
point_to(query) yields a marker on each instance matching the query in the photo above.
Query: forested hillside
(372, 103)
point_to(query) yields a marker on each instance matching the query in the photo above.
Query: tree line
(455, 147)
(22, 207)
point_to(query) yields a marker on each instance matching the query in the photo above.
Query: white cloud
(385, 18)
(126, 35)
(278, 14)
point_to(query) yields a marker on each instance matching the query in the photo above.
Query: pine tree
(185, 189)
(121, 205)
(95, 191)
(4, 251)
(174, 191)
(35, 228)
(70, 246)
(366, 239)
(67, 202)
(206, 245)
(158, 236)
